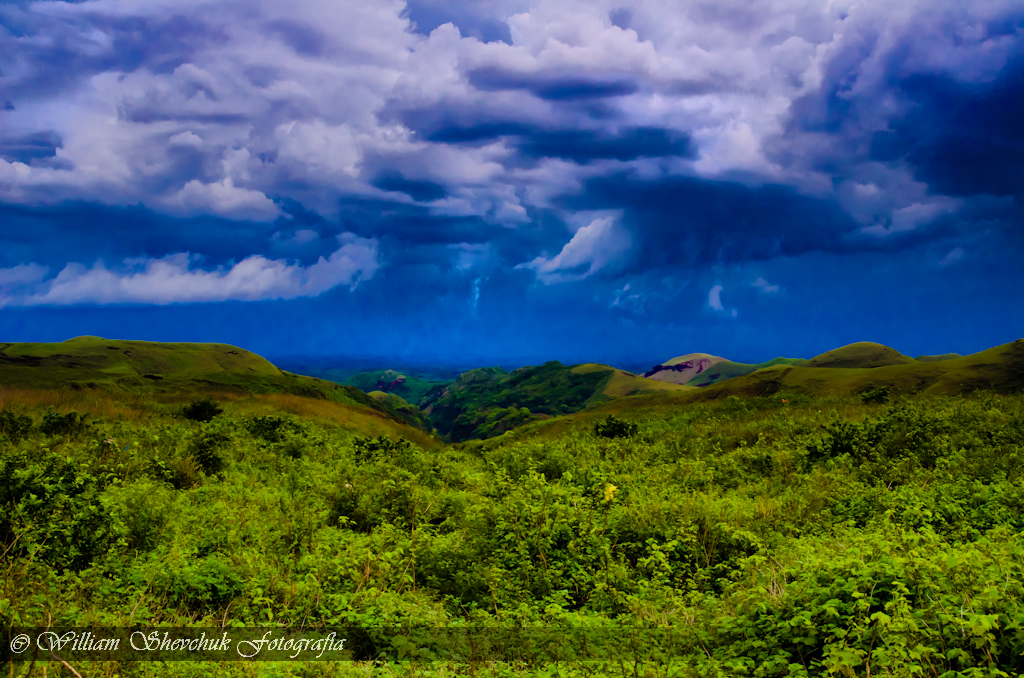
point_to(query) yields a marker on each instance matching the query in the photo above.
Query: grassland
(805, 523)
(774, 535)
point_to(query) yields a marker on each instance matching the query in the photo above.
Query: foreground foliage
(782, 535)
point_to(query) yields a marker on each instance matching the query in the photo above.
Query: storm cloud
(541, 153)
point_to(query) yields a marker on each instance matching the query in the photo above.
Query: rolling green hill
(999, 369)
(861, 354)
(727, 369)
(166, 369)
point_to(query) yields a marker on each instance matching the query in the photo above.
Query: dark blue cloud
(698, 223)
(84, 232)
(449, 132)
(59, 53)
(553, 88)
(627, 144)
(421, 191)
(413, 224)
(578, 145)
(29, 148)
(448, 286)
(962, 139)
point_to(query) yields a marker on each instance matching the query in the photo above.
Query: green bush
(13, 426)
(52, 509)
(204, 409)
(207, 451)
(876, 395)
(270, 428)
(367, 448)
(612, 427)
(69, 424)
(198, 584)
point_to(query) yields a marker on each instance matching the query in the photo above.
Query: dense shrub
(876, 395)
(207, 451)
(612, 427)
(367, 448)
(68, 424)
(13, 426)
(204, 409)
(270, 428)
(52, 509)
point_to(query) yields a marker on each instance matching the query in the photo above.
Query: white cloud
(594, 247)
(21, 274)
(765, 286)
(910, 217)
(171, 279)
(715, 298)
(715, 302)
(223, 198)
(186, 138)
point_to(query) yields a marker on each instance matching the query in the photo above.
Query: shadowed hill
(145, 367)
(485, 402)
(409, 388)
(937, 358)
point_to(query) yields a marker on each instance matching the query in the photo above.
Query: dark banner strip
(461, 644)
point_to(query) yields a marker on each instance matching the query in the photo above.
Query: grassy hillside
(764, 536)
(486, 402)
(1000, 369)
(727, 369)
(861, 354)
(163, 370)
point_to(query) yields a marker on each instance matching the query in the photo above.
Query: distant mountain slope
(155, 367)
(859, 355)
(1000, 369)
(410, 388)
(682, 369)
(485, 402)
(703, 369)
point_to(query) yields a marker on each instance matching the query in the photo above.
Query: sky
(513, 181)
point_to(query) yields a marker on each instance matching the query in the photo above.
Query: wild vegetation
(779, 535)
